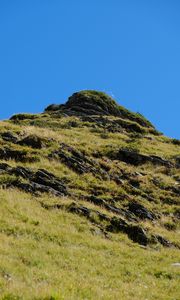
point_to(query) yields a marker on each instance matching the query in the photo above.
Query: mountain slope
(89, 204)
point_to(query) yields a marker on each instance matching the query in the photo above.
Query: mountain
(89, 204)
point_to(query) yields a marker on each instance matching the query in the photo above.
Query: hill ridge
(80, 183)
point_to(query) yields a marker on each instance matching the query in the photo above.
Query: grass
(54, 254)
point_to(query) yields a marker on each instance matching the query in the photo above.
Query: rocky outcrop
(89, 103)
(9, 136)
(117, 125)
(140, 211)
(77, 161)
(32, 141)
(135, 158)
(135, 232)
(39, 181)
(7, 153)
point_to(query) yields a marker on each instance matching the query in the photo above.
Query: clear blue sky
(129, 48)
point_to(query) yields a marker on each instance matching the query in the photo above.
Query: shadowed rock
(9, 137)
(140, 211)
(135, 158)
(17, 155)
(77, 161)
(40, 181)
(32, 141)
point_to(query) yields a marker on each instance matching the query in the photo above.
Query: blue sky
(127, 48)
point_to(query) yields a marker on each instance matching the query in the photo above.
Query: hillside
(89, 204)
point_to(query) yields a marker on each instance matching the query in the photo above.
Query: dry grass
(46, 254)
(53, 254)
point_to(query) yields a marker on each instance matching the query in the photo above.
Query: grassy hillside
(89, 204)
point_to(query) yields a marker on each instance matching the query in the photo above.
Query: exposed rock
(77, 161)
(135, 158)
(33, 188)
(9, 137)
(134, 232)
(32, 141)
(4, 167)
(40, 181)
(47, 179)
(137, 234)
(21, 171)
(177, 160)
(18, 155)
(89, 103)
(119, 211)
(87, 212)
(163, 241)
(117, 125)
(140, 211)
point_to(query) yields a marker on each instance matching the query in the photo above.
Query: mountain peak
(92, 102)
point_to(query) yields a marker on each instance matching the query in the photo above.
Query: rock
(135, 182)
(117, 225)
(137, 234)
(91, 103)
(149, 137)
(140, 211)
(163, 241)
(135, 158)
(117, 125)
(103, 203)
(47, 179)
(32, 141)
(177, 160)
(18, 155)
(87, 212)
(9, 137)
(77, 161)
(40, 181)
(4, 167)
(21, 117)
(33, 188)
